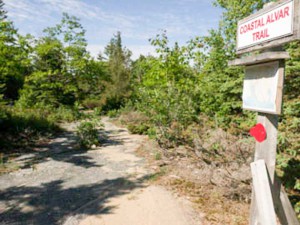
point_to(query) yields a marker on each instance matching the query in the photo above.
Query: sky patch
(137, 20)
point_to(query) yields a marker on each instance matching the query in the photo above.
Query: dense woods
(52, 78)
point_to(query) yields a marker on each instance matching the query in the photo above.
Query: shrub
(21, 128)
(67, 114)
(138, 128)
(136, 122)
(97, 111)
(16, 120)
(87, 134)
(112, 113)
(92, 103)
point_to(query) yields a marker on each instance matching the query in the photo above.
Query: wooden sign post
(274, 25)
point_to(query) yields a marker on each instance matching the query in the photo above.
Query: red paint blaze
(258, 132)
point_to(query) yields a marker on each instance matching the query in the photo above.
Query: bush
(87, 134)
(138, 128)
(136, 122)
(16, 120)
(21, 128)
(92, 103)
(67, 114)
(97, 111)
(112, 113)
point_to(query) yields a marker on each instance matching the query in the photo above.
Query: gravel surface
(63, 185)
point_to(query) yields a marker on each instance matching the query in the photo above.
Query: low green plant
(20, 128)
(158, 156)
(151, 132)
(138, 128)
(16, 120)
(155, 176)
(92, 103)
(87, 134)
(65, 114)
(112, 113)
(97, 111)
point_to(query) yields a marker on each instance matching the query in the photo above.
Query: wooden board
(263, 194)
(283, 207)
(279, 40)
(263, 86)
(259, 58)
(267, 151)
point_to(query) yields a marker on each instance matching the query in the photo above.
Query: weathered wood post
(267, 30)
(263, 195)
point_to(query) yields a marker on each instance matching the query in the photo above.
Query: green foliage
(64, 72)
(136, 122)
(2, 11)
(158, 156)
(97, 111)
(292, 80)
(65, 114)
(17, 120)
(87, 134)
(91, 103)
(118, 63)
(233, 11)
(19, 128)
(168, 86)
(45, 89)
(50, 83)
(14, 59)
(289, 128)
(112, 113)
(221, 86)
(138, 128)
(167, 89)
(92, 81)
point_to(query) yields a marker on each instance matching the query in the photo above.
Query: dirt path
(107, 185)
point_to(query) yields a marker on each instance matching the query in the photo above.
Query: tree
(221, 86)
(14, 58)
(71, 33)
(166, 89)
(47, 85)
(3, 13)
(233, 11)
(118, 89)
(93, 80)
(62, 66)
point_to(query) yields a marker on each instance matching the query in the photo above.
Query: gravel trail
(107, 185)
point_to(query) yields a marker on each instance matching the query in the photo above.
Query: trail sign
(277, 23)
(263, 85)
(269, 27)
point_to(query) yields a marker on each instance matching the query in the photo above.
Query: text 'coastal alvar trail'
(267, 26)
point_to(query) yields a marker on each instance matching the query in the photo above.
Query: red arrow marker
(258, 132)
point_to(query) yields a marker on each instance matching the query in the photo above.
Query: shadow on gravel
(64, 148)
(51, 203)
(106, 140)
